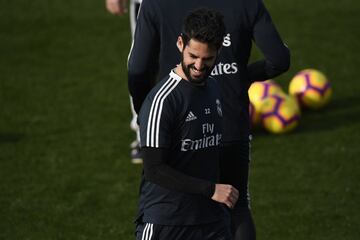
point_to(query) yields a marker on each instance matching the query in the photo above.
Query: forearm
(157, 171)
(266, 69)
(142, 72)
(139, 86)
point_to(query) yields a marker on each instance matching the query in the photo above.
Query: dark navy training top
(186, 120)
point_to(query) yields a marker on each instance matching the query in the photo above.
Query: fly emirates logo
(225, 68)
(210, 139)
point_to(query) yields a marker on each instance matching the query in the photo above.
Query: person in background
(120, 7)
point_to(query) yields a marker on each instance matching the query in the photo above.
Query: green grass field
(65, 171)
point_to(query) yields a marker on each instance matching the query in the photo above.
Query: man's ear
(180, 44)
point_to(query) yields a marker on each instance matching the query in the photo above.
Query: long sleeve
(143, 57)
(157, 171)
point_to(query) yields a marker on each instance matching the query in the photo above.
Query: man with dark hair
(153, 54)
(180, 133)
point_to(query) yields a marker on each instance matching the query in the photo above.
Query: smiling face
(198, 60)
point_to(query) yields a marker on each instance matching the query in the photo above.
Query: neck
(178, 70)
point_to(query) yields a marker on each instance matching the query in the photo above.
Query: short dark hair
(204, 25)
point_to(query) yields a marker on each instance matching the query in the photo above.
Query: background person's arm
(143, 56)
(276, 53)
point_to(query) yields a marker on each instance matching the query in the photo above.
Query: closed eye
(193, 56)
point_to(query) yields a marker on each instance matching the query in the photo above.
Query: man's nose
(199, 64)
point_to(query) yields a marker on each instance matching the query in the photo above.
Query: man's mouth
(197, 73)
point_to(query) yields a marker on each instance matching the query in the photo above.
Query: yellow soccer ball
(311, 88)
(258, 92)
(280, 114)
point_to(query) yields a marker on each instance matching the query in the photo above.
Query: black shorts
(212, 231)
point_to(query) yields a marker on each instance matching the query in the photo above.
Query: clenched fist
(226, 194)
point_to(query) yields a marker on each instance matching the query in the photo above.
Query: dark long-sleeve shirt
(180, 134)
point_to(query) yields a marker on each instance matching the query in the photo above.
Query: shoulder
(167, 84)
(164, 89)
(161, 104)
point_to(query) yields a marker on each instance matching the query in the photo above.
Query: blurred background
(65, 170)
